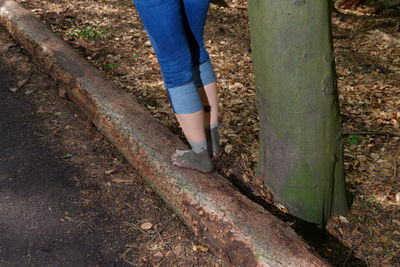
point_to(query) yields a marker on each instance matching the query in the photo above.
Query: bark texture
(301, 149)
(236, 229)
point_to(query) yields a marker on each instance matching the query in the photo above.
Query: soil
(109, 35)
(67, 197)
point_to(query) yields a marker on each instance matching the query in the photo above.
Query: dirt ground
(109, 34)
(67, 197)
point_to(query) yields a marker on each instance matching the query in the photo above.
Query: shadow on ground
(37, 192)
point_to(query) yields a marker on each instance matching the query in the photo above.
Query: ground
(109, 34)
(67, 197)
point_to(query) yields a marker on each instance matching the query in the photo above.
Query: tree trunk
(301, 144)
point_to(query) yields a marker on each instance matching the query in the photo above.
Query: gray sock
(198, 158)
(198, 147)
(192, 160)
(213, 139)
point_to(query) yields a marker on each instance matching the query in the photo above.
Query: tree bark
(301, 144)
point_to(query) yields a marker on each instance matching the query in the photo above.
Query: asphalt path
(38, 225)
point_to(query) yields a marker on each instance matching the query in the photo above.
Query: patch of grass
(355, 139)
(90, 32)
(215, 6)
(111, 66)
(67, 156)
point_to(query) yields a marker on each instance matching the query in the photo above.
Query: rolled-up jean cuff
(203, 74)
(185, 99)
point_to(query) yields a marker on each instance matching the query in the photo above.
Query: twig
(188, 250)
(176, 258)
(172, 251)
(372, 133)
(72, 117)
(366, 261)
(168, 237)
(143, 257)
(395, 164)
(29, 257)
(140, 229)
(162, 227)
(126, 252)
(347, 257)
(122, 180)
(130, 263)
(153, 234)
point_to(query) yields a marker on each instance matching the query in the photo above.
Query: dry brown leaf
(343, 219)
(199, 247)
(62, 93)
(228, 148)
(107, 172)
(20, 83)
(146, 226)
(158, 255)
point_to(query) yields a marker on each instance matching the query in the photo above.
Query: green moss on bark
(301, 150)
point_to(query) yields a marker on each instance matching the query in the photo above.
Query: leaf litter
(367, 54)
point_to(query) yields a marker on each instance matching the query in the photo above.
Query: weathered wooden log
(236, 229)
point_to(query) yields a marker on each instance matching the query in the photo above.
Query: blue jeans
(175, 29)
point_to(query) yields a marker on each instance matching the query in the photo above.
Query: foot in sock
(192, 160)
(213, 140)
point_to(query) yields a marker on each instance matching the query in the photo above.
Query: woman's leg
(163, 22)
(209, 97)
(203, 73)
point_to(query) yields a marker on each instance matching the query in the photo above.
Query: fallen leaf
(228, 148)
(199, 247)
(375, 156)
(343, 219)
(67, 156)
(40, 110)
(109, 171)
(376, 105)
(13, 89)
(153, 247)
(281, 207)
(158, 255)
(62, 93)
(20, 83)
(178, 250)
(146, 226)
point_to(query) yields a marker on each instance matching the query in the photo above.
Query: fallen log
(236, 229)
